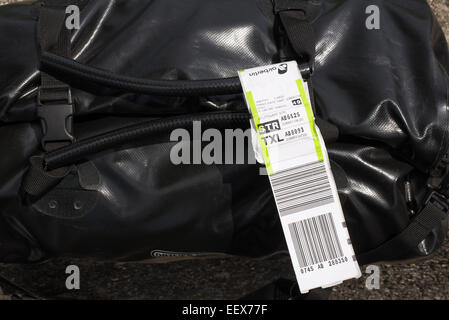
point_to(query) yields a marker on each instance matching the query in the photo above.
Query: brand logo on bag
(163, 253)
(283, 68)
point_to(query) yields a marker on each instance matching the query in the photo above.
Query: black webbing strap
(295, 17)
(55, 107)
(54, 37)
(295, 24)
(430, 217)
(434, 211)
(38, 180)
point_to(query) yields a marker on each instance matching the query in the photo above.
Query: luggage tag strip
(298, 167)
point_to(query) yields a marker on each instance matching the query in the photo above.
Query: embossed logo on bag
(164, 253)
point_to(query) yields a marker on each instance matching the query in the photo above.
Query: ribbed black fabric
(53, 36)
(38, 180)
(295, 18)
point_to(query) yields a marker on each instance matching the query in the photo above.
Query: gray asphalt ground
(228, 278)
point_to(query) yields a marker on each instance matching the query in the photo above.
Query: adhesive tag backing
(298, 167)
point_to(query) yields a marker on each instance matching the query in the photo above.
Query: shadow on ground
(229, 278)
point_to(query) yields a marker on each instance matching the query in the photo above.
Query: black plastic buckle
(438, 200)
(57, 120)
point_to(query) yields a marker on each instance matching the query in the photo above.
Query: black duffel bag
(86, 117)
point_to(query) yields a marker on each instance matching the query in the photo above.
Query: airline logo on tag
(297, 163)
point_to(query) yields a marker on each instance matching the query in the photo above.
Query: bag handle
(54, 96)
(49, 169)
(295, 25)
(66, 67)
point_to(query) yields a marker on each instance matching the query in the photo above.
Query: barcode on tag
(300, 188)
(315, 240)
(298, 167)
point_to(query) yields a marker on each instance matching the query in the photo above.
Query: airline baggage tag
(299, 171)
